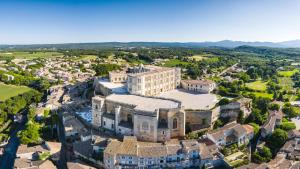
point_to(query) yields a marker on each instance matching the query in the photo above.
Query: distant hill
(224, 43)
(292, 43)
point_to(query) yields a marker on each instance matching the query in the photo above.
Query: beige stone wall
(97, 110)
(200, 88)
(151, 84)
(145, 128)
(116, 77)
(145, 124)
(125, 109)
(197, 120)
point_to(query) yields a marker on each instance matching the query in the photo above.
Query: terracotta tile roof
(23, 163)
(75, 165)
(130, 146)
(198, 82)
(248, 128)
(22, 149)
(155, 151)
(47, 165)
(238, 130)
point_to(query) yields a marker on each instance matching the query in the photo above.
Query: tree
(264, 155)
(31, 134)
(277, 139)
(256, 117)
(255, 128)
(224, 101)
(288, 126)
(289, 110)
(240, 117)
(274, 106)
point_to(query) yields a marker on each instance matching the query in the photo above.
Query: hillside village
(113, 112)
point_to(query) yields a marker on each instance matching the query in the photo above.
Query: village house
(232, 133)
(29, 164)
(135, 154)
(200, 86)
(274, 119)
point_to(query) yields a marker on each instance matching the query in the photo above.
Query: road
(8, 159)
(62, 139)
(227, 69)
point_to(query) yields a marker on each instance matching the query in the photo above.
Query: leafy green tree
(277, 139)
(31, 134)
(103, 69)
(224, 101)
(289, 110)
(274, 106)
(264, 155)
(288, 126)
(255, 128)
(240, 117)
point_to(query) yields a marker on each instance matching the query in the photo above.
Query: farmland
(8, 91)
(257, 85)
(29, 55)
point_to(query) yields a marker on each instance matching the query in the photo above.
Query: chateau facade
(148, 80)
(147, 118)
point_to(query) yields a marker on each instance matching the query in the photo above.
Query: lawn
(8, 91)
(257, 85)
(86, 57)
(175, 62)
(288, 73)
(30, 55)
(261, 94)
(286, 83)
(197, 57)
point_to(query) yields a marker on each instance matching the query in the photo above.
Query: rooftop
(130, 146)
(191, 100)
(114, 87)
(236, 127)
(143, 103)
(198, 82)
(75, 165)
(22, 149)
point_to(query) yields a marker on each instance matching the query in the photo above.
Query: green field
(175, 62)
(286, 83)
(8, 91)
(257, 85)
(288, 73)
(198, 57)
(86, 57)
(30, 55)
(261, 94)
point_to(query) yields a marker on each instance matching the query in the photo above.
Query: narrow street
(8, 159)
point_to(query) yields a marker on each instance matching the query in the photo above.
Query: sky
(75, 21)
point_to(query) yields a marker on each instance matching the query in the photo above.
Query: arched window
(96, 107)
(174, 123)
(129, 118)
(145, 125)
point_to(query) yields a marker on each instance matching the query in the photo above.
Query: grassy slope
(7, 91)
(175, 62)
(257, 85)
(288, 73)
(28, 55)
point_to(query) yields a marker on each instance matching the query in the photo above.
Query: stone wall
(197, 120)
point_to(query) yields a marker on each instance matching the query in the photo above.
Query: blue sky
(61, 21)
